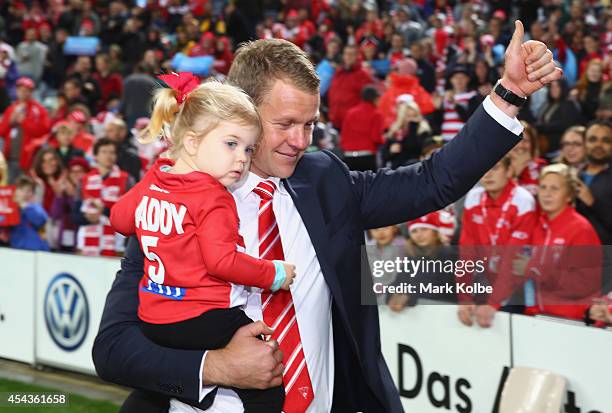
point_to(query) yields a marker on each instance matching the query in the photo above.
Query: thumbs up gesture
(528, 65)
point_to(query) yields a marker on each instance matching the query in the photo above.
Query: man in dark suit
(322, 210)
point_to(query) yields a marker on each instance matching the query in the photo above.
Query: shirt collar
(246, 186)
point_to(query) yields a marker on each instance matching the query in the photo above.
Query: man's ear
(191, 143)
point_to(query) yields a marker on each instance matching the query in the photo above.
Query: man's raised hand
(528, 65)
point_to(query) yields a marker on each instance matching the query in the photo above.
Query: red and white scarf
(101, 239)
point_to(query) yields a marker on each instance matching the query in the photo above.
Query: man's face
(83, 64)
(71, 91)
(397, 42)
(598, 144)
(30, 35)
(416, 51)
(106, 156)
(460, 81)
(116, 133)
(23, 93)
(288, 116)
(349, 56)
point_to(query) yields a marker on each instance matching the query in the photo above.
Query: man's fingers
(255, 329)
(555, 75)
(278, 370)
(545, 70)
(517, 36)
(543, 60)
(534, 50)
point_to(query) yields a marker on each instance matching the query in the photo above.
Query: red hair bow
(183, 83)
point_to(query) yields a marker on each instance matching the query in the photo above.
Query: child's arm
(218, 236)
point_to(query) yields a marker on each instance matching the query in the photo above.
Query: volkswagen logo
(66, 312)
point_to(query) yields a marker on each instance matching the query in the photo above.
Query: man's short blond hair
(258, 64)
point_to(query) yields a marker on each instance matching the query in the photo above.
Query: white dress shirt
(311, 296)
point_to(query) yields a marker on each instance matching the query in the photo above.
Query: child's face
(423, 237)
(65, 136)
(23, 194)
(225, 153)
(383, 236)
(76, 173)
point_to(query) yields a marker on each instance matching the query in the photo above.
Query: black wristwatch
(508, 96)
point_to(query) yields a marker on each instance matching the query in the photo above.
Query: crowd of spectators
(398, 80)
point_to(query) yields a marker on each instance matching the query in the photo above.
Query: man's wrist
(512, 87)
(212, 373)
(509, 109)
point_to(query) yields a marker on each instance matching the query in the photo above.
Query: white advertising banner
(17, 306)
(439, 364)
(581, 354)
(70, 295)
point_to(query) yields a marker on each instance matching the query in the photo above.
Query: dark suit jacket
(336, 206)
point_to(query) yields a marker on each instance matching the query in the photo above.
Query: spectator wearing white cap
(404, 81)
(406, 136)
(428, 238)
(79, 119)
(127, 155)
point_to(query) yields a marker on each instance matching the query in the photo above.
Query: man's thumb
(255, 329)
(517, 37)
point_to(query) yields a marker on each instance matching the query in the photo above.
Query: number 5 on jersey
(155, 273)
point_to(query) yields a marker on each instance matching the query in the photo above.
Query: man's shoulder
(317, 160)
(320, 166)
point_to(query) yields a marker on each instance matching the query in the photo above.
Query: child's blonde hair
(204, 108)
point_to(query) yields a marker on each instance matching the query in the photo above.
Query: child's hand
(289, 275)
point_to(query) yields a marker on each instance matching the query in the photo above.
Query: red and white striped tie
(279, 312)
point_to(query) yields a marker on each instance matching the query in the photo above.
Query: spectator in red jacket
(223, 55)
(111, 84)
(347, 83)
(362, 132)
(22, 122)
(404, 81)
(567, 273)
(498, 213)
(79, 119)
